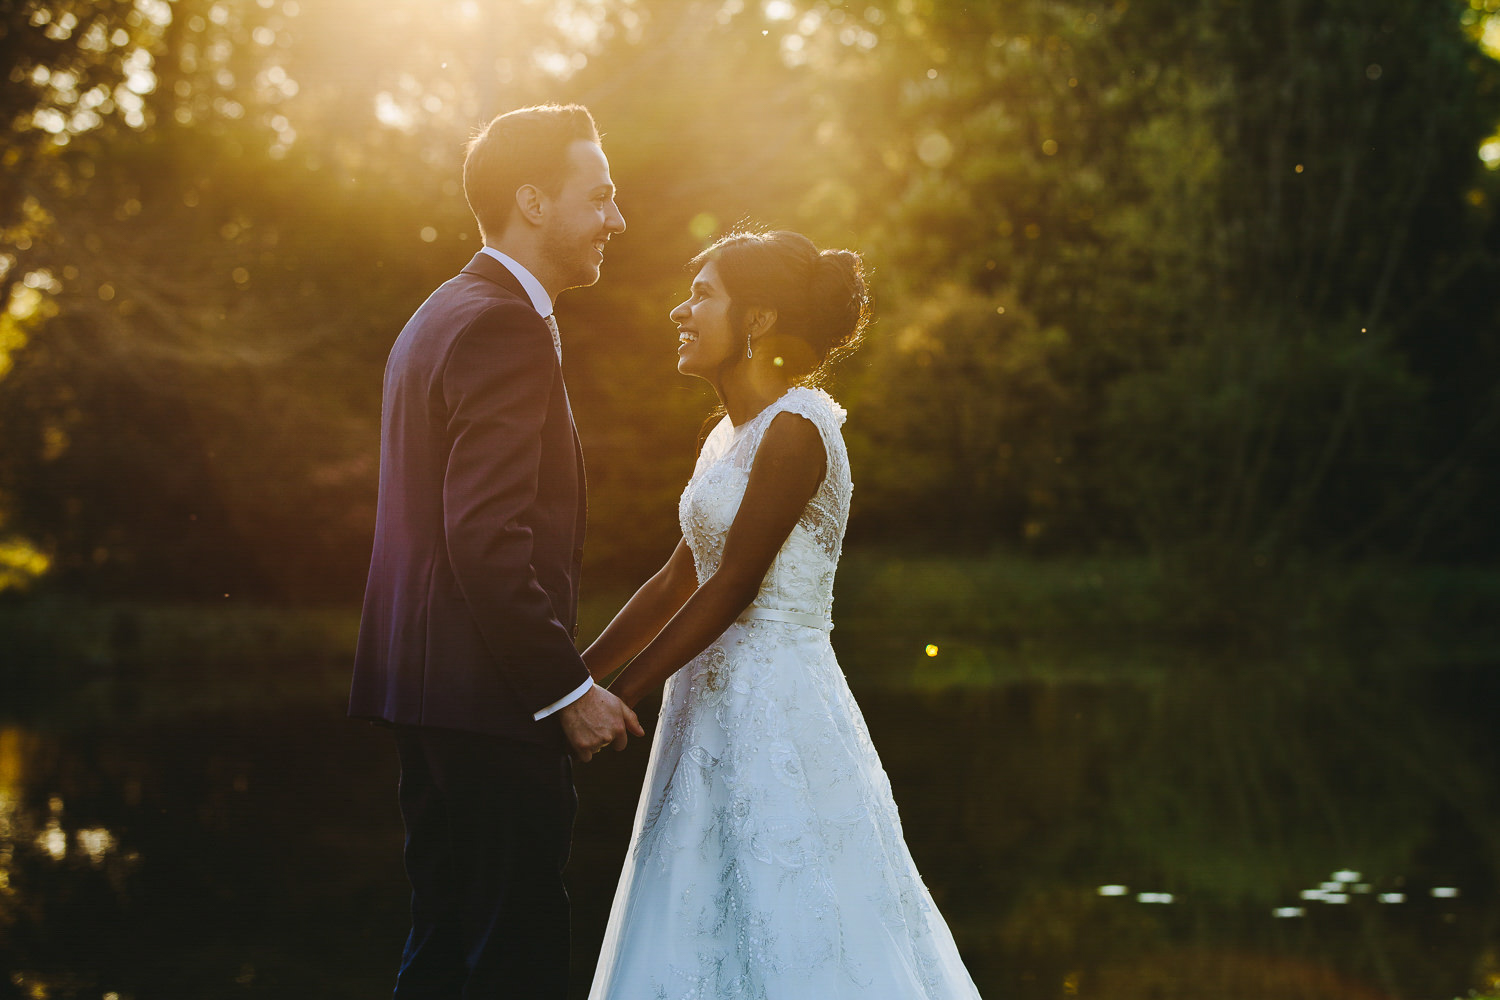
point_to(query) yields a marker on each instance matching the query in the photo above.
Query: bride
(767, 859)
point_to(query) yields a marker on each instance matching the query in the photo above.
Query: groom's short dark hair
(525, 146)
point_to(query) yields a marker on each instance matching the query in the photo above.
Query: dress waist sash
(757, 613)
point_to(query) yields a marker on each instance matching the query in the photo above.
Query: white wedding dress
(767, 859)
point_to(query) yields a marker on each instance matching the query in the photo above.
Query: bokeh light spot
(935, 149)
(703, 225)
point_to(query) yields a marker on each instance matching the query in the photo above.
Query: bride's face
(705, 338)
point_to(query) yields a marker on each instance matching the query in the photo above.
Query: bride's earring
(748, 353)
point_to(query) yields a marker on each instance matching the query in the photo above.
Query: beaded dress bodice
(801, 577)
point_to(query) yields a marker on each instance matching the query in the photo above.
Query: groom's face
(581, 217)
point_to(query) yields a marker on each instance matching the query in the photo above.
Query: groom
(470, 614)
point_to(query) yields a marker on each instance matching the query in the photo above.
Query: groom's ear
(530, 203)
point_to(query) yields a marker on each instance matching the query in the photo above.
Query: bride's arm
(643, 616)
(789, 466)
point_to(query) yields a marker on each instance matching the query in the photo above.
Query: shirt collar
(540, 300)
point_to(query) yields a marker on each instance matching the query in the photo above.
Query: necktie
(551, 322)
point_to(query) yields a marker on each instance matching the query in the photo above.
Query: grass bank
(997, 618)
(991, 618)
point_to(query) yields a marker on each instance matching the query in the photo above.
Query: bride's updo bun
(820, 297)
(840, 291)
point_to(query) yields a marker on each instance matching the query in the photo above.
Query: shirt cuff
(565, 700)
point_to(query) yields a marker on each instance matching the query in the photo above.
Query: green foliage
(1238, 437)
(994, 446)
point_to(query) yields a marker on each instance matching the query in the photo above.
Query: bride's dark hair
(820, 297)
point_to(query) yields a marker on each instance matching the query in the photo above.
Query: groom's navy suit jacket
(471, 606)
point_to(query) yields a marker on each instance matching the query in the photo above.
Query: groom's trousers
(488, 826)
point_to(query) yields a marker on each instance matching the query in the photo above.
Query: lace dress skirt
(767, 860)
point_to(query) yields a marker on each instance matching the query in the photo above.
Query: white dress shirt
(542, 302)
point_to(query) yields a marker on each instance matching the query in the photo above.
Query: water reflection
(97, 843)
(1209, 834)
(137, 862)
(52, 840)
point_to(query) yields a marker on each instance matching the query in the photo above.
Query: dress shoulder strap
(817, 407)
(814, 404)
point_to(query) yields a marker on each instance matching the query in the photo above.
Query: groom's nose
(614, 221)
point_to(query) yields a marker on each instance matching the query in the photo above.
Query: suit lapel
(578, 450)
(577, 442)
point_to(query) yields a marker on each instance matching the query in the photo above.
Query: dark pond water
(1310, 829)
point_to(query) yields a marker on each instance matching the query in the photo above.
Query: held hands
(598, 720)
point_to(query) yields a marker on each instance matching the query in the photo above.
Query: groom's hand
(598, 720)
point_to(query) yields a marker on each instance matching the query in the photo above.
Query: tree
(1111, 309)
